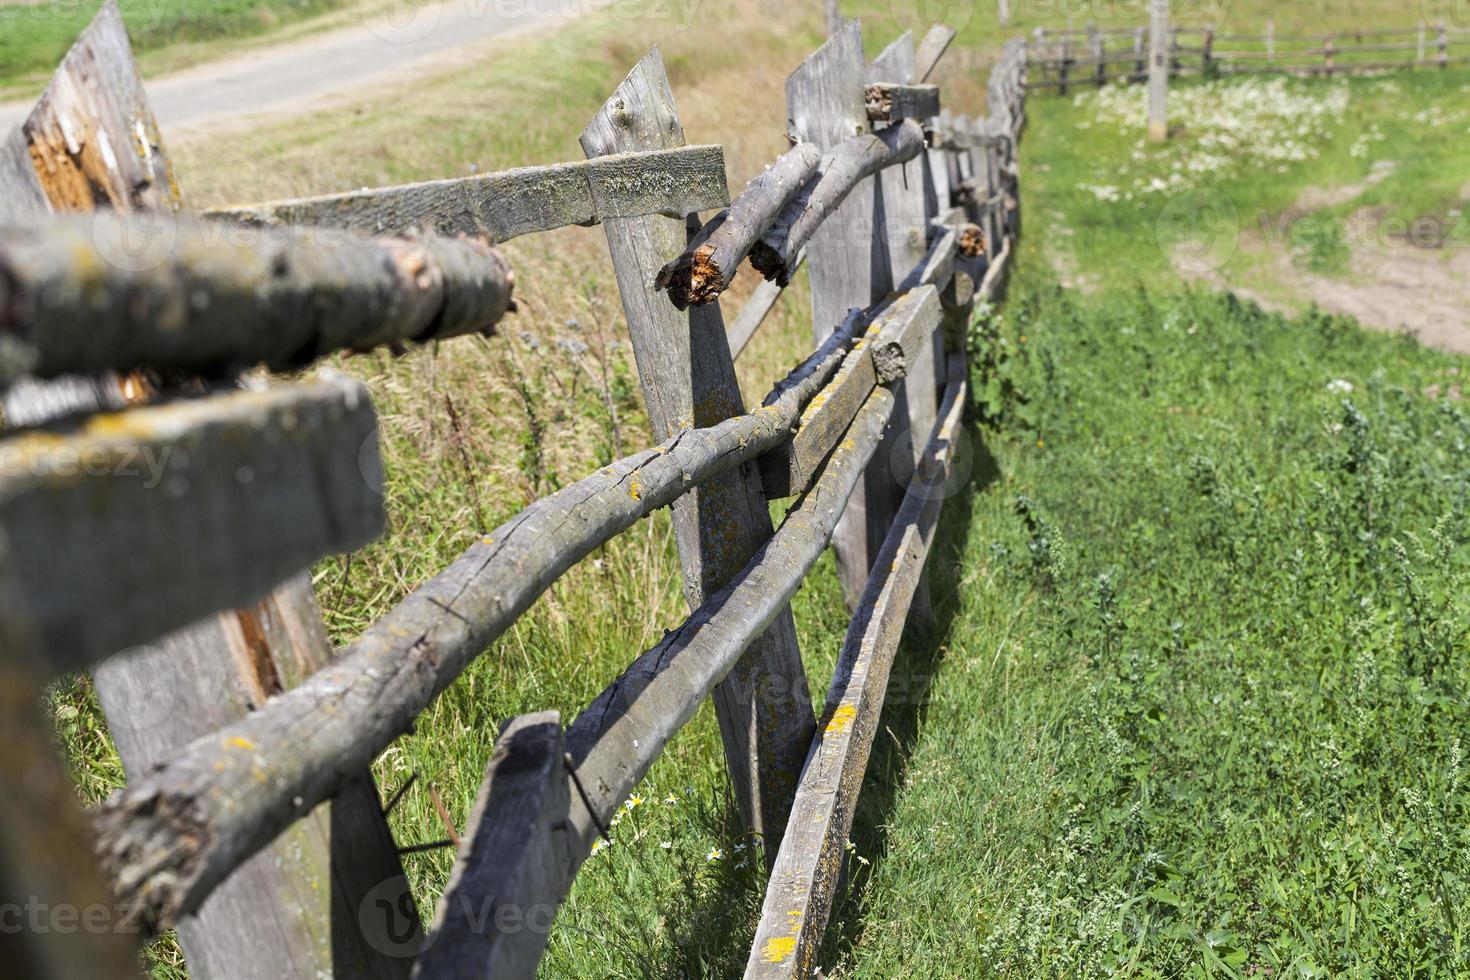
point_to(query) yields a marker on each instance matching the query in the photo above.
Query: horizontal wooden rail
(799, 894)
(253, 779)
(842, 169)
(886, 102)
(504, 205)
(708, 267)
(612, 744)
(210, 298)
(130, 525)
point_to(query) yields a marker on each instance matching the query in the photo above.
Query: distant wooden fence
(250, 820)
(1065, 59)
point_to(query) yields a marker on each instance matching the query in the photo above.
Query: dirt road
(392, 41)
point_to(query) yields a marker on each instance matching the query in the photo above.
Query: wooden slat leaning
(92, 142)
(511, 203)
(209, 298)
(935, 42)
(688, 379)
(306, 742)
(802, 884)
(615, 740)
(753, 313)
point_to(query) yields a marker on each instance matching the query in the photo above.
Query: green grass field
(1194, 702)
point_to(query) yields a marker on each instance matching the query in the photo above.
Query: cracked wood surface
(127, 526)
(500, 206)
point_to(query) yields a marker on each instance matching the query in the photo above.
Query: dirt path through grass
(389, 46)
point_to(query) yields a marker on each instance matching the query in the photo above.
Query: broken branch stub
(842, 169)
(708, 266)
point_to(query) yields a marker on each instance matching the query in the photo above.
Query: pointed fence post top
(639, 115)
(824, 96)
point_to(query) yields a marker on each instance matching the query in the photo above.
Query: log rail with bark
(117, 358)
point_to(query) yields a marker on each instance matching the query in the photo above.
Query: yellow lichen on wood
(842, 720)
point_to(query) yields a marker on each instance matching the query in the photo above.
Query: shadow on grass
(710, 934)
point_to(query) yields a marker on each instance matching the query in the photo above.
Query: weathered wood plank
(753, 313)
(890, 101)
(306, 743)
(91, 141)
(500, 206)
(931, 49)
(906, 322)
(219, 298)
(708, 266)
(140, 522)
(842, 171)
(799, 895)
(496, 912)
(688, 379)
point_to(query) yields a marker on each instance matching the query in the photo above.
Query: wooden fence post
(1140, 69)
(1158, 72)
(688, 379)
(1444, 46)
(297, 907)
(1270, 41)
(1099, 55)
(1328, 51)
(845, 263)
(1207, 60)
(1063, 66)
(905, 193)
(1423, 32)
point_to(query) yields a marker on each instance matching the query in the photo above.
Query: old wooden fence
(1064, 59)
(250, 820)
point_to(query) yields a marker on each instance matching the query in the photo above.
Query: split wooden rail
(1071, 58)
(153, 505)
